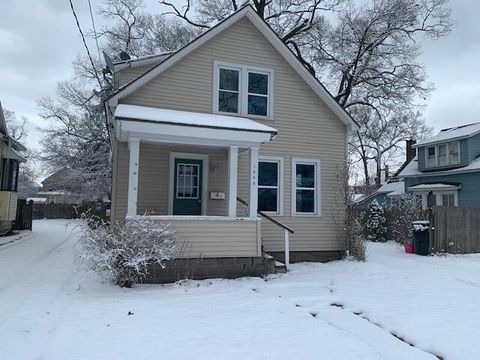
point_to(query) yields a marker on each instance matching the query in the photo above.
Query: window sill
(255, 117)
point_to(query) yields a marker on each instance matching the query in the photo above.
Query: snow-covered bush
(122, 252)
(403, 210)
(347, 218)
(376, 223)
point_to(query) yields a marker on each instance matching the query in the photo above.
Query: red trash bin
(409, 246)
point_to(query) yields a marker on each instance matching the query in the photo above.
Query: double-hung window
(270, 183)
(242, 90)
(257, 93)
(431, 156)
(229, 90)
(305, 187)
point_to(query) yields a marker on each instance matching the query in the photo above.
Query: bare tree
(290, 19)
(129, 29)
(380, 134)
(77, 138)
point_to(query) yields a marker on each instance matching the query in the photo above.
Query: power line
(85, 43)
(94, 30)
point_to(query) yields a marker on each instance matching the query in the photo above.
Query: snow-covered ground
(339, 310)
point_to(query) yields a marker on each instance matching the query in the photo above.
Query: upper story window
(242, 90)
(229, 90)
(443, 154)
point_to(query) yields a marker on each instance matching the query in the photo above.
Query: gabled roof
(141, 61)
(248, 12)
(454, 133)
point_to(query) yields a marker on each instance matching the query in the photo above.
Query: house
(446, 170)
(10, 159)
(393, 187)
(56, 189)
(229, 125)
(384, 194)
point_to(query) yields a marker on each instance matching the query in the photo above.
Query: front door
(187, 189)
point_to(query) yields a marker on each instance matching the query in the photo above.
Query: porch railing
(286, 231)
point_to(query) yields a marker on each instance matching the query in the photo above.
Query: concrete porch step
(280, 267)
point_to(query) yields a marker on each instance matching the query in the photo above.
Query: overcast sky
(39, 40)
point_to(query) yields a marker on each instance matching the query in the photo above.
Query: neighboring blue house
(383, 195)
(446, 170)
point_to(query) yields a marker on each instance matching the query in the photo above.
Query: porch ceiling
(172, 126)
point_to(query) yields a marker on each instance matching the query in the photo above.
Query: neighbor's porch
(183, 169)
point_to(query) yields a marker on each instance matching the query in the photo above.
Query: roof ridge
(460, 126)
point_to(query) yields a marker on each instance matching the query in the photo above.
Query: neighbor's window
(242, 90)
(454, 152)
(229, 90)
(257, 93)
(305, 186)
(431, 159)
(448, 200)
(269, 186)
(443, 154)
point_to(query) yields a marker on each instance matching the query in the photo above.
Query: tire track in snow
(341, 321)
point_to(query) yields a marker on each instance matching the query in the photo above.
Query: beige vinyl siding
(8, 205)
(126, 75)
(217, 238)
(307, 128)
(153, 178)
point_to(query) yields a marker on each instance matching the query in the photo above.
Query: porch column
(134, 147)
(232, 180)
(253, 203)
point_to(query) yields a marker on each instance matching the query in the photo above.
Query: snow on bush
(404, 210)
(376, 223)
(122, 252)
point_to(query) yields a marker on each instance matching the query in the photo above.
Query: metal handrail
(269, 218)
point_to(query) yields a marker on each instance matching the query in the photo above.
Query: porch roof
(434, 186)
(148, 123)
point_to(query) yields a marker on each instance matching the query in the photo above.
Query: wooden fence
(68, 211)
(455, 230)
(23, 220)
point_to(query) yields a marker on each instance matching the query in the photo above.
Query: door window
(187, 181)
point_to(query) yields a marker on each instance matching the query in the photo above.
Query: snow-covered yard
(339, 310)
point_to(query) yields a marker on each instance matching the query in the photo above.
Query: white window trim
(438, 197)
(172, 173)
(318, 188)
(243, 89)
(436, 146)
(281, 171)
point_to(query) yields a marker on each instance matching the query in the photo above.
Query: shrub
(122, 253)
(403, 210)
(376, 223)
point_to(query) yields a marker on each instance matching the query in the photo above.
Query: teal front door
(187, 189)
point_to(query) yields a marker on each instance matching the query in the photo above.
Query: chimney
(410, 151)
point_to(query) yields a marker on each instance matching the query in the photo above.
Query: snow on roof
(412, 169)
(357, 197)
(457, 132)
(190, 118)
(37, 200)
(436, 186)
(398, 187)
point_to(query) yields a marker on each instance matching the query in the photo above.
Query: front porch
(186, 172)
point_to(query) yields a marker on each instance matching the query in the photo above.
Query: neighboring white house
(229, 125)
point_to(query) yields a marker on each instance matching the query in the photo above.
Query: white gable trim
(269, 34)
